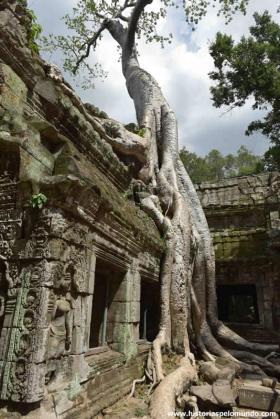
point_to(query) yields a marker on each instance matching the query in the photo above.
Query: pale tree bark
(188, 300)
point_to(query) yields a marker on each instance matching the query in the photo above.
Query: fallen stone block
(259, 398)
(204, 393)
(223, 393)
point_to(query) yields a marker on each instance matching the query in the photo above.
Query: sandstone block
(259, 397)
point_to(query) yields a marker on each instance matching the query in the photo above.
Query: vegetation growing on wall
(33, 28)
(34, 32)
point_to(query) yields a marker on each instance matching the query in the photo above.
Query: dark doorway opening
(107, 282)
(3, 292)
(238, 303)
(149, 311)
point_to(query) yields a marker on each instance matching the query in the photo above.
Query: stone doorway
(149, 310)
(108, 279)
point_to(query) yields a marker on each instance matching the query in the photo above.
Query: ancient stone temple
(79, 259)
(243, 215)
(75, 253)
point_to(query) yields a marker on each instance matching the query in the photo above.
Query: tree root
(186, 401)
(152, 387)
(164, 398)
(210, 372)
(265, 365)
(158, 343)
(232, 340)
(137, 381)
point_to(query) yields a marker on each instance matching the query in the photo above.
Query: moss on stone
(240, 244)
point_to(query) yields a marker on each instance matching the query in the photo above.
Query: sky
(181, 70)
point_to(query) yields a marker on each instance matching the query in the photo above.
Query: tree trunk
(188, 300)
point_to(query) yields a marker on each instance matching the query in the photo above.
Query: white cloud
(181, 70)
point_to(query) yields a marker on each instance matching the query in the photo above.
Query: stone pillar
(125, 312)
(26, 318)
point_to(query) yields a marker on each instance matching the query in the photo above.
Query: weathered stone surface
(52, 144)
(204, 394)
(223, 393)
(259, 398)
(240, 192)
(219, 393)
(243, 216)
(271, 383)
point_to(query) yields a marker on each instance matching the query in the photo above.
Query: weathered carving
(62, 316)
(3, 290)
(48, 256)
(39, 238)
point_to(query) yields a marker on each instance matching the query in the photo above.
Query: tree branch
(116, 29)
(90, 43)
(133, 22)
(122, 17)
(126, 5)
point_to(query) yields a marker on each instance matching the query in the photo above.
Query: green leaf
(38, 201)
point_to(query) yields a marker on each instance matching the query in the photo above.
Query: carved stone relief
(62, 314)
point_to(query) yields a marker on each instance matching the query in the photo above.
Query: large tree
(189, 322)
(250, 69)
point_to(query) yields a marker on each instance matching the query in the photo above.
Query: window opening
(238, 303)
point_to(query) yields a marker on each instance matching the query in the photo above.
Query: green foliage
(132, 127)
(38, 201)
(87, 23)
(249, 69)
(246, 163)
(139, 412)
(141, 132)
(271, 159)
(34, 31)
(197, 9)
(214, 166)
(89, 19)
(196, 166)
(215, 162)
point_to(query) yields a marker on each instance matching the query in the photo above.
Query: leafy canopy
(250, 69)
(214, 166)
(87, 22)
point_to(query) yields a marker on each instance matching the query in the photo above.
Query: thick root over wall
(188, 322)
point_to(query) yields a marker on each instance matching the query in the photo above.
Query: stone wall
(52, 146)
(243, 215)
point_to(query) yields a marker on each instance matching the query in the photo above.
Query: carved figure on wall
(62, 315)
